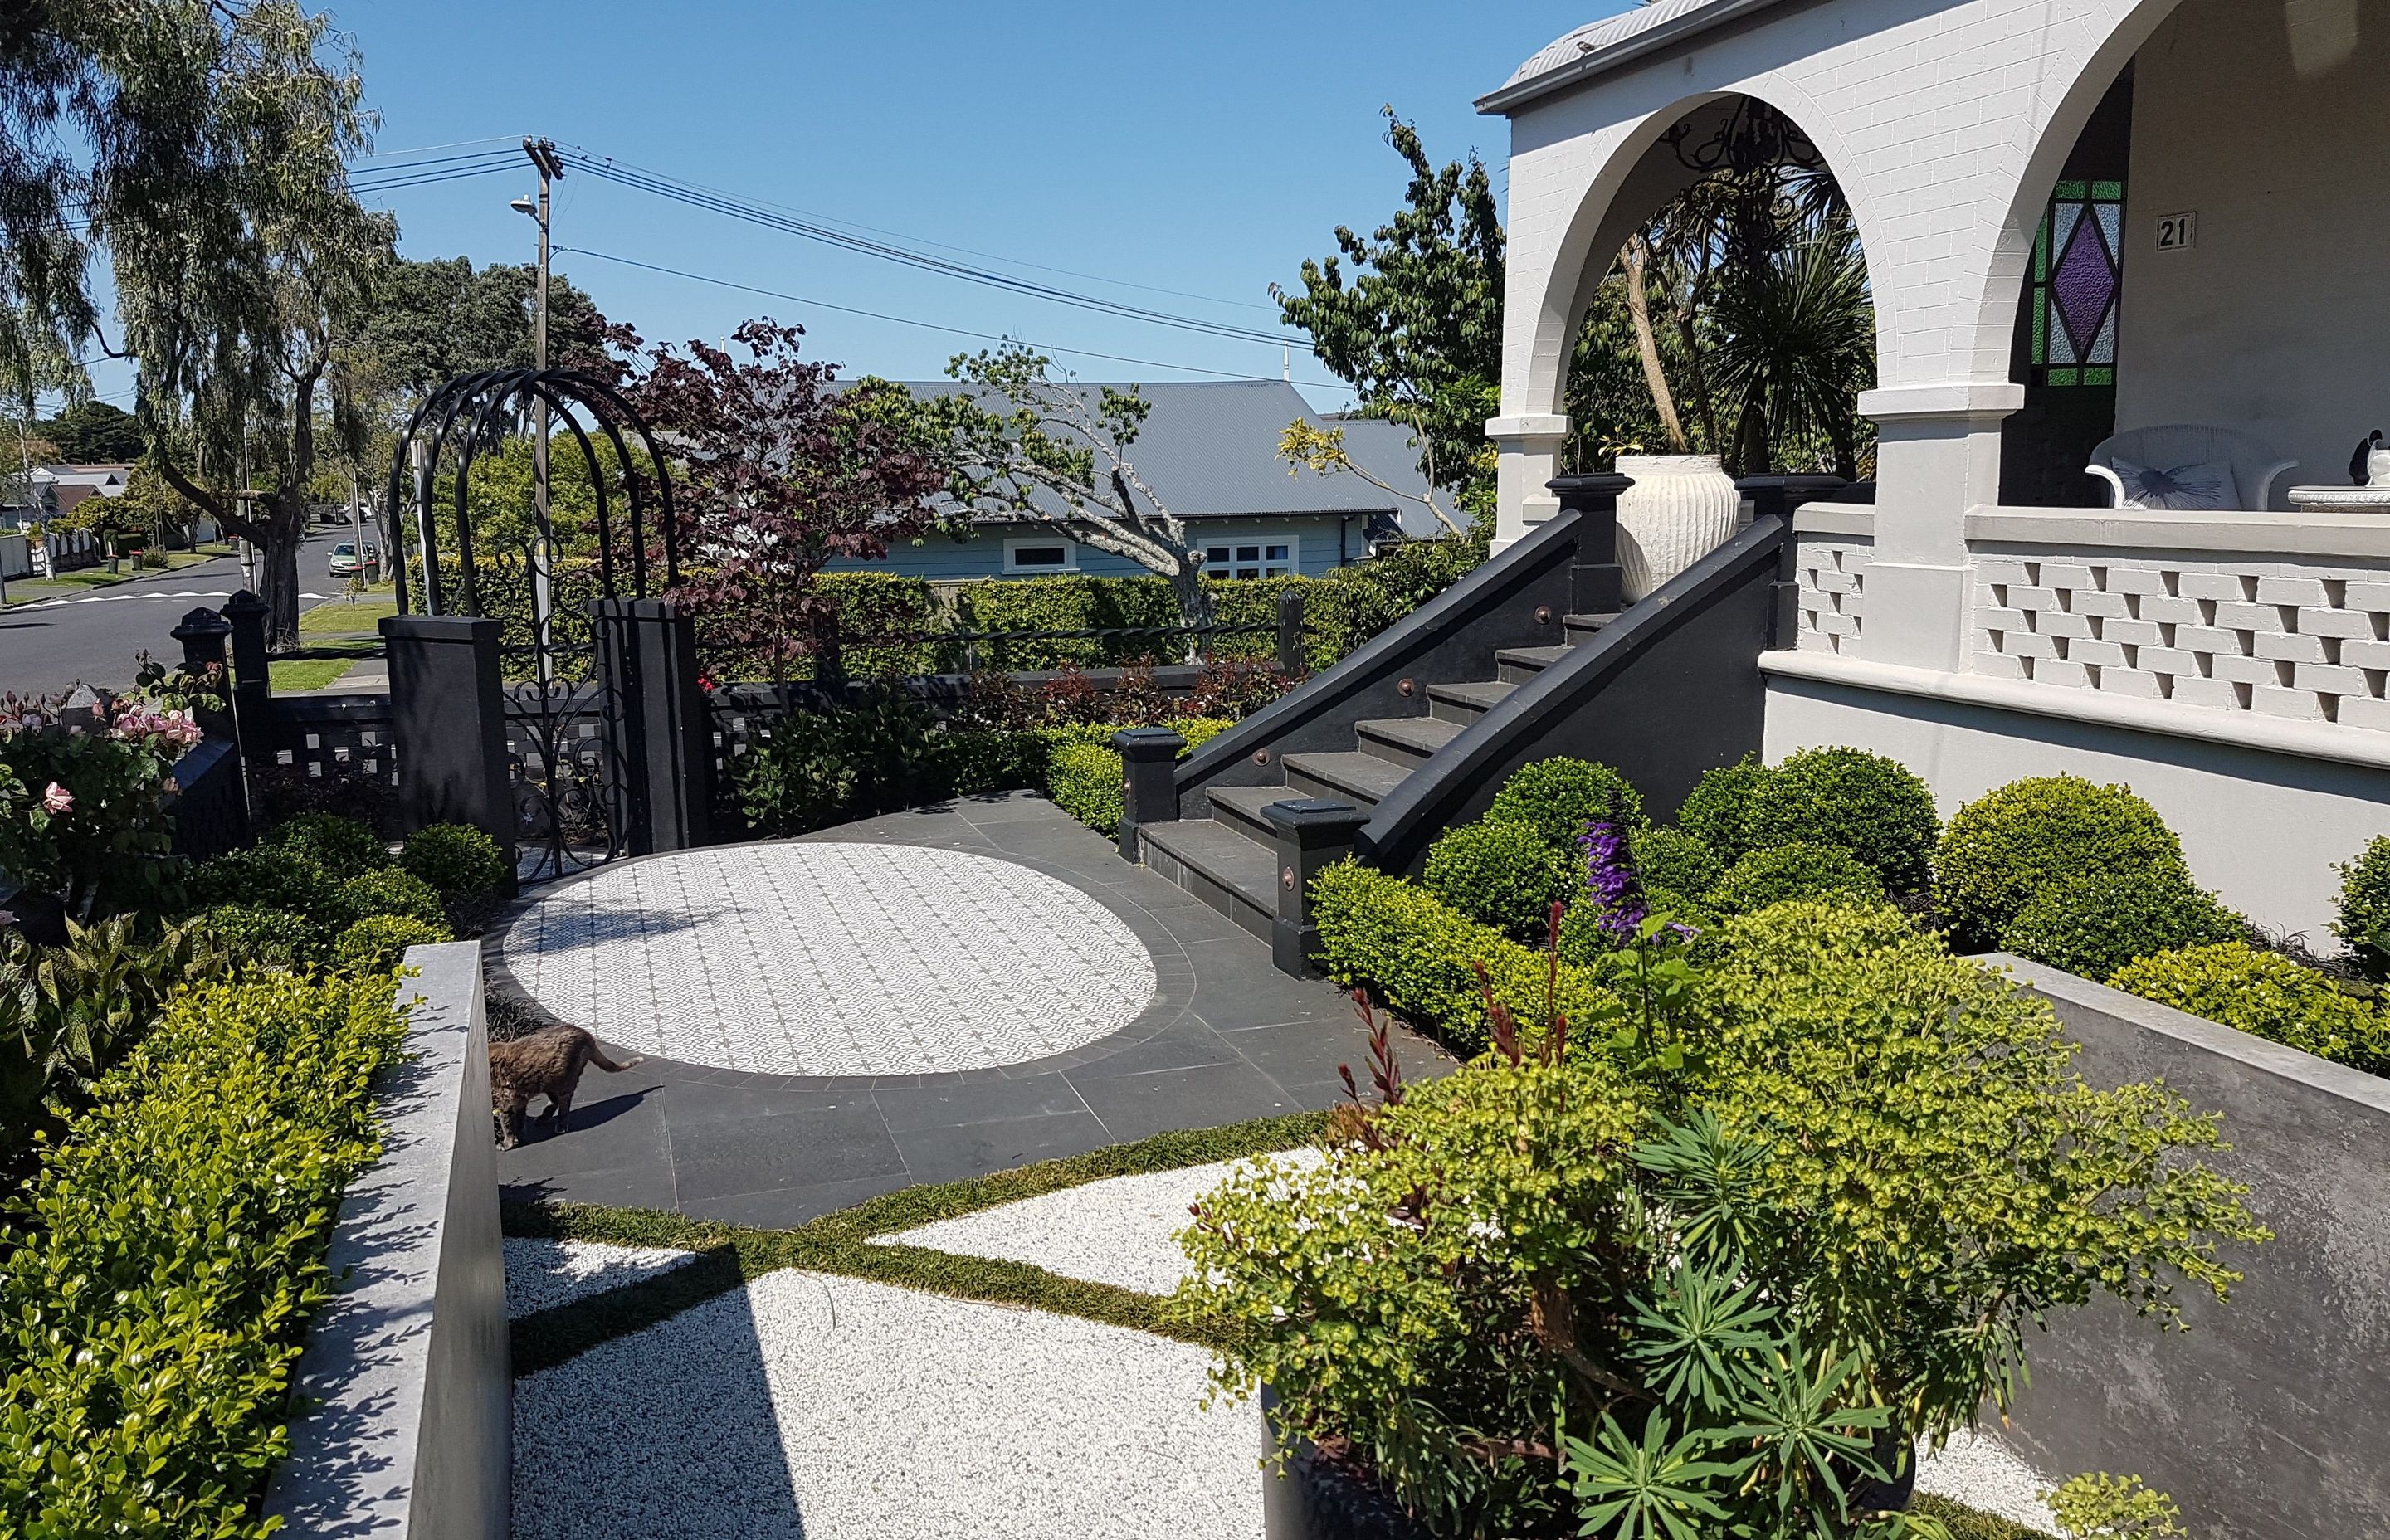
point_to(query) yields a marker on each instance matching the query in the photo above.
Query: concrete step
(1519, 664)
(1466, 703)
(1405, 739)
(1235, 875)
(1581, 628)
(1239, 807)
(1361, 779)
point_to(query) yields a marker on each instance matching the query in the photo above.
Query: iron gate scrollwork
(578, 789)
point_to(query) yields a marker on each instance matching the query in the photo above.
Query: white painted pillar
(1527, 450)
(1937, 456)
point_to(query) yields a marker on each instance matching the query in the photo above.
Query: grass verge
(842, 1243)
(338, 616)
(288, 674)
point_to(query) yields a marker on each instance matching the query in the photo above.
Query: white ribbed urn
(1681, 508)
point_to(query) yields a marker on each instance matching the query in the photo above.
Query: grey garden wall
(402, 1426)
(2271, 1417)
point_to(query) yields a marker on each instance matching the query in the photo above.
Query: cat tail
(597, 1056)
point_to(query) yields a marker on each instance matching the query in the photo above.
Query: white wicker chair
(2255, 468)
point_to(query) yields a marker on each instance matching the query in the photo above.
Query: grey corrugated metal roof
(1209, 450)
(1600, 45)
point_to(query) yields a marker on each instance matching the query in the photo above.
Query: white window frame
(1263, 565)
(1013, 567)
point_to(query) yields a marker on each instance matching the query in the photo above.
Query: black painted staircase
(1230, 859)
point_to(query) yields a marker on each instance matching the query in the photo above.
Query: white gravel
(1979, 1470)
(830, 1409)
(542, 1274)
(1118, 1231)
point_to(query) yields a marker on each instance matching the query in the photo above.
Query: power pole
(544, 157)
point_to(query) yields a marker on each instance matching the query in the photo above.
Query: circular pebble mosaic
(831, 959)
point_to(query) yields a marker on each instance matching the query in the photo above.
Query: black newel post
(1149, 781)
(1597, 583)
(252, 696)
(647, 649)
(1290, 631)
(1780, 497)
(1309, 835)
(447, 707)
(204, 635)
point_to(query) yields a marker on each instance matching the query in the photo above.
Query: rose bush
(84, 794)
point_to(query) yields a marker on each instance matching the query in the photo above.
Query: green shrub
(1200, 730)
(2363, 920)
(975, 762)
(825, 767)
(1869, 805)
(271, 938)
(2007, 846)
(1345, 608)
(2236, 986)
(1072, 602)
(1391, 936)
(171, 1248)
(1586, 943)
(1673, 861)
(2094, 923)
(1717, 811)
(1559, 797)
(260, 879)
(1499, 874)
(1085, 781)
(458, 860)
(389, 892)
(378, 942)
(340, 847)
(882, 604)
(1779, 873)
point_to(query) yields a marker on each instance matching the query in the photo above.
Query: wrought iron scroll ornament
(1754, 136)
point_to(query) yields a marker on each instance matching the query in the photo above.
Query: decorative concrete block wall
(2265, 1421)
(405, 1392)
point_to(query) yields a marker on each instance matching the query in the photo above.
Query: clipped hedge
(1383, 934)
(2010, 844)
(1874, 807)
(1085, 774)
(377, 944)
(1557, 797)
(1717, 811)
(1499, 874)
(1673, 861)
(1778, 874)
(270, 938)
(2093, 923)
(389, 891)
(261, 878)
(340, 847)
(1065, 602)
(458, 860)
(2363, 919)
(167, 1256)
(2237, 985)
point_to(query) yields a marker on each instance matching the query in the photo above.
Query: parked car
(346, 563)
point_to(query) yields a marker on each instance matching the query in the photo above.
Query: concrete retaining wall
(2267, 1419)
(405, 1393)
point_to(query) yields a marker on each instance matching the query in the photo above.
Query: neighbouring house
(45, 492)
(1210, 451)
(2138, 235)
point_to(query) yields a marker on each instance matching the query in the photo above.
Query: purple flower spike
(1611, 879)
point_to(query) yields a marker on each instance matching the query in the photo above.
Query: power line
(932, 325)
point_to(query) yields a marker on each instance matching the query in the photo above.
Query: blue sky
(1205, 149)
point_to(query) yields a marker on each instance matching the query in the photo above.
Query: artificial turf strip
(730, 1255)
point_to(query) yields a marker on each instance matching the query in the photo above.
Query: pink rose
(58, 799)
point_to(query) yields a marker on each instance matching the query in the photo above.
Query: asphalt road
(91, 638)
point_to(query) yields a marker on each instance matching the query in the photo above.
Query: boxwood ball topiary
(1557, 797)
(1674, 861)
(262, 878)
(1500, 874)
(269, 938)
(389, 892)
(1717, 810)
(2093, 923)
(2363, 921)
(1870, 805)
(458, 860)
(378, 942)
(342, 847)
(2237, 985)
(1800, 870)
(2007, 846)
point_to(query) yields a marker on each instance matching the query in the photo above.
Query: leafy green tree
(93, 432)
(1411, 314)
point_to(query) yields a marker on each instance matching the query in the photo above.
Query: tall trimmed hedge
(166, 1258)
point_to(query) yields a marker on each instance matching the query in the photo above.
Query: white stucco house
(2081, 217)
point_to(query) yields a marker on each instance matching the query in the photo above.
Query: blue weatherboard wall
(943, 559)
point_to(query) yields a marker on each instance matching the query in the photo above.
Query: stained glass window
(2077, 278)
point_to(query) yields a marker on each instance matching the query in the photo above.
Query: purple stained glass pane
(2084, 285)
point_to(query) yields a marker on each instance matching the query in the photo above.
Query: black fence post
(1310, 834)
(1289, 630)
(253, 693)
(203, 635)
(1781, 497)
(1149, 781)
(1597, 582)
(447, 708)
(647, 649)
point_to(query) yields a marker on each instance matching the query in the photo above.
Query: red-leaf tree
(781, 472)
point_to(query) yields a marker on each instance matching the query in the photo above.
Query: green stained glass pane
(2042, 252)
(2070, 189)
(2108, 191)
(2099, 377)
(2040, 328)
(2065, 376)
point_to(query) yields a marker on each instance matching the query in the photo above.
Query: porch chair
(2179, 445)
